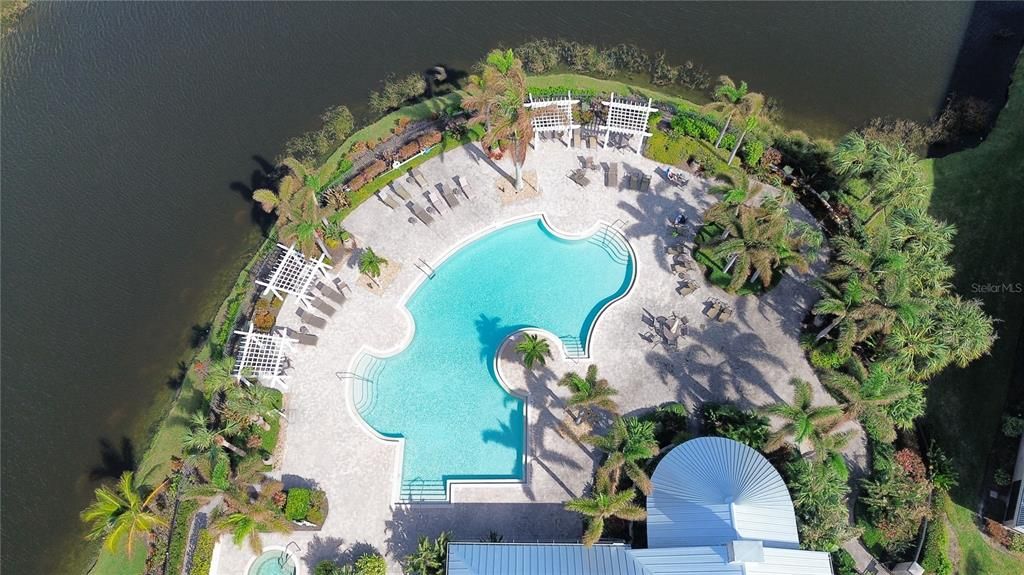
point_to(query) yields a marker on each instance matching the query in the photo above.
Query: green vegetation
(726, 420)
(396, 92)
(670, 424)
(122, 515)
(202, 557)
(534, 349)
(371, 564)
(603, 504)
(298, 503)
(804, 422)
(311, 147)
(430, 557)
(10, 12)
(819, 495)
(179, 536)
(590, 396)
(370, 263)
(628, 445)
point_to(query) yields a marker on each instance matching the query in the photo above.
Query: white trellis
(294, 275)
(553, 115)
(626, 117)
(261, 356)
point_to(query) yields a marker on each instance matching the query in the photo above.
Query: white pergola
(626, 117)
(261, 355)
(555, 115)
(294, 275)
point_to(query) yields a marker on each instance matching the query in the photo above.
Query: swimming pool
(273, 562)
(441, 393)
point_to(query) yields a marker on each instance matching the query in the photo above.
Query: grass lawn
(979, 190)
(578, 82)
(120, 563)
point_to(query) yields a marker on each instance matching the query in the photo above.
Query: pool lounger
(593, 142)
(420, 213)
(634, 182)
(579, 177)
(613, 175)
(322, 306)
(401, 191)
(301, 337)
(330, 293)
(417, 176)
(389, 202)
(341, 286)
(449, 196)
(645, 183)
(309, 319)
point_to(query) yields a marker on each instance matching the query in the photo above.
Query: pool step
(573, 347)
(612, 243)
(424, 491)
(368, 370)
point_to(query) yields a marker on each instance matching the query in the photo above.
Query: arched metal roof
(712, 490)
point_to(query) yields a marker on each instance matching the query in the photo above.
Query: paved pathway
(748, 360)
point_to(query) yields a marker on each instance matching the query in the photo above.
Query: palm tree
(248, 406)
(219, 378)
(589, 394)
(430, 557)
(302, 223)
(855, 310)
(855, 156)
(731, 99)
(804, 422)
(629, 444)
(122, 512)
(533, 348)
(248, 523)
(605, 504)
(965, 329)
(756, 243)
(370, 264)
(201, 439)
(867, 392)
(749, 124)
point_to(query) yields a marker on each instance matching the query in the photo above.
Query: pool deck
(748, 359)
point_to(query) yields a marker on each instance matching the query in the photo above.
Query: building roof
(718, 508)
(712, 490)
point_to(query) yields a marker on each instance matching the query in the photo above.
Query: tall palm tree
(965, 329)
(219, 378)
(589, 394)
(854, 309)
(629, 444)
(605, 504)
(201, 439)
(248, 523)
(301, 223)
(248, 406)
(122, 513)
(731, 99)
(370, 264)
(803, 421)
(533, 349)
(749, 124)
(855, 156)
(757, 243)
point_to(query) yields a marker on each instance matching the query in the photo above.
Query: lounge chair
(449, 196)
(726, 315)
(389, 202)
(401, 191)
(682, 260)
(590, 163)
(330, 293)
(634, 181)
(463, 186)
(417, 176)
(579, 177)
(678, 268)
(308, 318)
(687, 289)
(322, 306)
(613, 175)
(676, 250)
(645, 183)
(713, 311)
(576, 138)
(341, 286)
(420, 213)
(301, 337)
(593, 142)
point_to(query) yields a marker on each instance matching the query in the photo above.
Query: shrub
(538, 56)
(1002, 477)
(771, 157)
(897, 500)
(328, 567)
(753, 151)
(1017, 543)
(696, 126)
(396, 91)
(996, 531)
(936, 550)
(371, 564)
(844, 563)
(296, 508)
(826, 357)
(317, 507)
(221, 475)
(179, 537)
(728, 141)
(670, 421)
(819, 502)
(203, 554)
(336, 125)
(265, 315)
(1013, 426)
(724, 420)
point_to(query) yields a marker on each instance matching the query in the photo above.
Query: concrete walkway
(749, 359)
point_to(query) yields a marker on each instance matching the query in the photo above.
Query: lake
(129, 129)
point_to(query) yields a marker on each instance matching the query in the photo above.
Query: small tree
(630, 443)
(533, 349)
(589, 394)
(605, 504)
(122, 513)
(370, 264)
(804, 422)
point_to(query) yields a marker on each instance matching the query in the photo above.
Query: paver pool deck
(749, 359)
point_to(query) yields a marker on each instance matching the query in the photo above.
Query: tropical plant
(430, 557)
(122, 513)
(746, 427)
(589, 394)
(941, 471)
(749, 124)
(370, 264)
(868, 391)
(533, 349)
(803, 421)
(296, 202)
(604, 504)
(200, 439)
(819, 495)
(897, 499)
(629, 444)
(247, 523)
(247, 406)
(371, 564)
(731, 99)
(757, 243)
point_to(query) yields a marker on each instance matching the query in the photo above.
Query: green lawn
(578, 82)
(980, 191)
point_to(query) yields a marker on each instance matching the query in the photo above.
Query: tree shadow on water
(114, 460)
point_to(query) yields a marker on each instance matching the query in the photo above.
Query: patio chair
(420, 213)
(713, 310)
(301, 337)
(389, 202)
(687, 289)
(634, 181)
(448, 196)
(341, 286)
(725, 316)
(579, 177)
(645, 183)
(463, 186)
(322, 306)
(593, 142)
(401, 191)
(330, 293)
(417, 176)
(308, 318)
(613, 175)
(590, 163)
(576, 138)
(676, 250)
(678, 268)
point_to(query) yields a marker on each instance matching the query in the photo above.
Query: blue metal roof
(539, 559)
(712, 490)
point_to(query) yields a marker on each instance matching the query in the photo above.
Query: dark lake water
(124, 126)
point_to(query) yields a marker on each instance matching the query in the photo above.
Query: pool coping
(299, 570)
(365, 349)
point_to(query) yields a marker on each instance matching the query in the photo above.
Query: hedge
(936, 550)
(202, 557)
(297, 506)
(179, 537)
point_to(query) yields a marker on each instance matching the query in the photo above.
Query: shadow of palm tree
(114, 460)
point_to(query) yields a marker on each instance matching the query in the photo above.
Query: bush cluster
(297, 506)
(896, 497)
(936, 550)
(202, 557)
(724, 420)
(336, 125)
(396, 92)
(670, 422)
(221, 475)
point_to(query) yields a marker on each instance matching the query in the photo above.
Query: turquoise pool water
(441, 393)
(270, 563)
